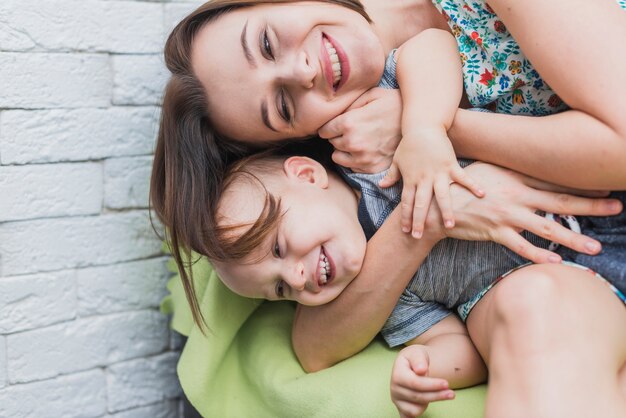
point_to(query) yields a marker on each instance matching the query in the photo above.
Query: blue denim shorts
(611, 232)
(464, 309)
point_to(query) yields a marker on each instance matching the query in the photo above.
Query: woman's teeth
(334, 61)
(324, 268)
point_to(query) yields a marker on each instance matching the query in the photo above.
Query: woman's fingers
(566, 204)
(392, 177)
(554, 231)
(518, 244)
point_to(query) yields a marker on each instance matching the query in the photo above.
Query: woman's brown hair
(191, 157)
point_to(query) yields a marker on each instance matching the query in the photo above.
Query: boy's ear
(307, 170)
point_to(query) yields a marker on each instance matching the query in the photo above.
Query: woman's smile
(282, 71)
(336, 63)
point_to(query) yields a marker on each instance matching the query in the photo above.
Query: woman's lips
(343, 60)
(328, 66)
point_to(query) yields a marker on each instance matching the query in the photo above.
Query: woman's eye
(267, 46)
(280, 289)
(284, 109)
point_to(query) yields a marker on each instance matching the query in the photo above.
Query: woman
(185, 121)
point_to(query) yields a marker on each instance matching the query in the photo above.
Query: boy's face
(317, 246)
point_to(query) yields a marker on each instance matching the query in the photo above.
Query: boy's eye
(280, 289)
(266, 45)
(276, 250)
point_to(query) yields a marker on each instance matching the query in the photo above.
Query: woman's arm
(585, 65)
(325, 335)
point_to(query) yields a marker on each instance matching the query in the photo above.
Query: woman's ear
(307, 170)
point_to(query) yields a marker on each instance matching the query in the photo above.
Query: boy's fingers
(444, 201)
(423, 196)
(408, 409)
(406, 207)
(460, 176)
(392, 177)
(423, 383)
(423, 397)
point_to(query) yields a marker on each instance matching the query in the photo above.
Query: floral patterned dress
(496, 74)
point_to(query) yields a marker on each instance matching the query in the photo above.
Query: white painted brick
(78, 395)
(56, 244)
(138, 79)
(28, 302)
(167, 409)
(85, 344)
(3, 362)
(176, 11)
(127, 182)
(142, 382)
(135, 285)
(81, 25)
(35, 136)
(38, 191)
(54, 80)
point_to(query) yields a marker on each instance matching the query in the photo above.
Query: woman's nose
(295, 278)
(300, 71)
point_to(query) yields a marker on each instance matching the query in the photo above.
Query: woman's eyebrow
(246, 49)
(265, 116)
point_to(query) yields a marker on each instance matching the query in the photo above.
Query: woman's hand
(367, 134)
(510, 205)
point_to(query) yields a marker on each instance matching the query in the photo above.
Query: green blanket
(245, 367)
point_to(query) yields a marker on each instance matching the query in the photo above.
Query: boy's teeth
(334, 60)
(324, 269)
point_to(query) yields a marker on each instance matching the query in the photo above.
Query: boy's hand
(411, 388)
(426, 162)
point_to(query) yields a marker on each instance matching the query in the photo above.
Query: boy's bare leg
(554, 340)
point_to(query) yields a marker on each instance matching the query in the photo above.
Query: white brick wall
(81, 271)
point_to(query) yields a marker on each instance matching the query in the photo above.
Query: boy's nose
(295, 278)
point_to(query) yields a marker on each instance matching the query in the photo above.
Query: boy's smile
(315, 249)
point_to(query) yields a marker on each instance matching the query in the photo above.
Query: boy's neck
(397, 21)
(342, 188)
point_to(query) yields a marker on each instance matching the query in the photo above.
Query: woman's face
(278, 71)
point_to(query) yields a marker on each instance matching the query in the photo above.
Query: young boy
(310, 243)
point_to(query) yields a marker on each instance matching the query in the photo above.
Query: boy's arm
(452, 355)
(429, 75)
(325, 335)
(441, 359)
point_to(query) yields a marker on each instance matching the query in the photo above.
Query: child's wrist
(425, 132)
